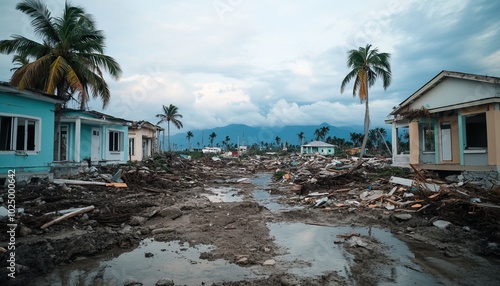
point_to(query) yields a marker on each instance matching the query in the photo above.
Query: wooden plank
(68, 215)
(91, 183)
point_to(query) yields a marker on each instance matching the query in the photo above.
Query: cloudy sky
(274, 63)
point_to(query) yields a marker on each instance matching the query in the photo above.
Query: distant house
(26, 131)
(143, 140)
(317, 147)
(91, 136)
(450, 123)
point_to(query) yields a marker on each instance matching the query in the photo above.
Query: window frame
(467, 135)
(425, 129)
(113, 136)
(18, 120)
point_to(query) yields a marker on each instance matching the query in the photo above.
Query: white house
(450, 123)
(317, 147)
(143, 140)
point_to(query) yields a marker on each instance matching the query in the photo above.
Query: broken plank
(410, 183)
(92, 183)
(68, 215)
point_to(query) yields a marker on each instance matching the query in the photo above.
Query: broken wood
(80, 182)
(410, 183)
(153, 190)
(68, 215)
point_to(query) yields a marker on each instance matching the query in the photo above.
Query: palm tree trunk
(367, 127)
(168, 128)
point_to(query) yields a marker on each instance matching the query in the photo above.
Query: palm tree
(170, 113)
(211, 138)
(68, 60)
(20, 61)
(189, 135)
(324, 131)
(278, 141)
(317, 134)
(301, 137)
(366, 65)
(226, 141)
(355, 138)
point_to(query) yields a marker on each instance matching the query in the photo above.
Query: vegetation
(211, 138)
(170, 114)
(69, 59)
(366, 65)
(189, 135)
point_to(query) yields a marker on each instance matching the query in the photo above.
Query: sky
(274, 63)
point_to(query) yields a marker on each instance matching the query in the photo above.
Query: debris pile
(345, 185)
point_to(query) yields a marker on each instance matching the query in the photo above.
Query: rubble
(163, 198)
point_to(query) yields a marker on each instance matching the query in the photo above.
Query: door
(63, 143)
(96, 145)
(145, 148)
(446, 142)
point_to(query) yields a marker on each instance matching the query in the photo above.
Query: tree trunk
(168, 135)
(367, 127)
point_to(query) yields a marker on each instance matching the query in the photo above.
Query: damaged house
(317, 147)
(92, 137)
(26, 132)
(143, 140)
(451, 123)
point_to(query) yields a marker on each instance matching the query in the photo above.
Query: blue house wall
(37, 108)
(89, 121)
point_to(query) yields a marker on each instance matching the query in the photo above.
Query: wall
(454, 91)
(14, 105)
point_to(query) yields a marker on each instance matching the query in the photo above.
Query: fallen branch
(68, 215)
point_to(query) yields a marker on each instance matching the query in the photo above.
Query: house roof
(29, 93)
(317, 144)
(94, 116)
(439, 78)
(145, 124)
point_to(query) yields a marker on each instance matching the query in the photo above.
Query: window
(475, 131)
(131, 146)
(428, 137)
(18, 133)
(115, 141)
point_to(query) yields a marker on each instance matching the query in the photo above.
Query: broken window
(18, 133)
(428, 139)
(403, 140)
(115, 141)
(475, 131)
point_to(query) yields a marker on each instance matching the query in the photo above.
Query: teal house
(92, 137)
(26, 131)
(317, 147)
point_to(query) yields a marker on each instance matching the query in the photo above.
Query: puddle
(310, 252)
(263, 196)
(172, 260)
(223, 195)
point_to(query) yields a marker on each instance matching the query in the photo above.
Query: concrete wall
(30, 161)
(454, 91)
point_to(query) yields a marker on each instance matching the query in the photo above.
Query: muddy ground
(166, 199)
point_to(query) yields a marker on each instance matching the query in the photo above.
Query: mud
(208, 202)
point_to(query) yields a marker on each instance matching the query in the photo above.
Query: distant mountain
(246, 135)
